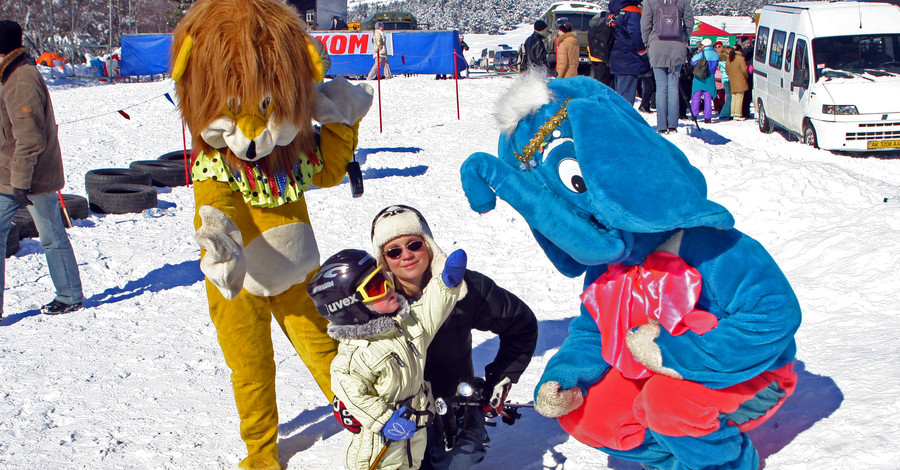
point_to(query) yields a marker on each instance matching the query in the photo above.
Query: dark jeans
(648, 91)
(600, 72)
(469, 450)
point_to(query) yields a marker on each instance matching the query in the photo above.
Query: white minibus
(829, 72)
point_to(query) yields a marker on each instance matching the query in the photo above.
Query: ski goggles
(395, 252)
(375, 286)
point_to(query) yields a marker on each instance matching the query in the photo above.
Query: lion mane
(243, 52)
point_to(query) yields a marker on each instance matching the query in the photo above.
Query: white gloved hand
(553, 402)
(224, 263)
(341, 101)
(645, 350)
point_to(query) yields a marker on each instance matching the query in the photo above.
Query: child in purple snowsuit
(704, 88)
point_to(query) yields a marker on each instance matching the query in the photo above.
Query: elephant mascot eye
(570, 174)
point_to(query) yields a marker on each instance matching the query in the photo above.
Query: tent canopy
(705, 30)
(47, 59)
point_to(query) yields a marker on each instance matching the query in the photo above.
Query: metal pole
(109, 50)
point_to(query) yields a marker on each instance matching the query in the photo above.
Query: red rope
(187, 165)
(378, 73)
(456, 80)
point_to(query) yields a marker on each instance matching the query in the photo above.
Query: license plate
(883, 144)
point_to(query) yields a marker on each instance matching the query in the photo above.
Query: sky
(136, 380)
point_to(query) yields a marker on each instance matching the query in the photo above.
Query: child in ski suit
(378, 372)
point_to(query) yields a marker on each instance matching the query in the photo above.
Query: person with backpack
(628, 55)
(665, 28)
(600, 39)
(704, 85)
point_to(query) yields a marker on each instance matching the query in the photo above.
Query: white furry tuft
(528, 94)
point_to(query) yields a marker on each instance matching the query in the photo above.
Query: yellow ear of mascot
(246, 73)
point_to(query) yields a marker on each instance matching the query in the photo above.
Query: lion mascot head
(245, 73)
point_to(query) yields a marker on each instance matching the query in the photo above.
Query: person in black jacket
(535, 49)
(404, 245)
(600, 39)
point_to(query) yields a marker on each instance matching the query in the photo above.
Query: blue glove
(454, 268)
(399, 428)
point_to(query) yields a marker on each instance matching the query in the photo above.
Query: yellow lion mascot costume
(245, 74)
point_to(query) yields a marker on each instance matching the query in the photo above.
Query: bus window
(787, 55)
(776, 54)
(762, 41)
(801, 66)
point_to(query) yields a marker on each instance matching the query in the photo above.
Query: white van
(829, 72)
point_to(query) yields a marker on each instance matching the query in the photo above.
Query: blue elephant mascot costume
(685, 339)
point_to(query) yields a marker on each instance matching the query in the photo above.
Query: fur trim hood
(375, 326)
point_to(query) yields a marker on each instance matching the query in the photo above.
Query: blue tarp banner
(145, 54)
(413, 52)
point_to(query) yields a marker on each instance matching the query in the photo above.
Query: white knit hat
(706, 42)
(397, 221)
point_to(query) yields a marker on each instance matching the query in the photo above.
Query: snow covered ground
(136, 380)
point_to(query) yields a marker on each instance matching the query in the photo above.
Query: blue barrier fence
(409, 52)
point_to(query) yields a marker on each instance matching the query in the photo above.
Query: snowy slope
(137, 381)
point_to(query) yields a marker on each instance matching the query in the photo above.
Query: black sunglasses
(395, 252)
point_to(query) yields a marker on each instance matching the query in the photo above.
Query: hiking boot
(673, 130)
(707, 121)
(56, 307)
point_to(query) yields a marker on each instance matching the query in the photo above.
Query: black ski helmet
(333, 288)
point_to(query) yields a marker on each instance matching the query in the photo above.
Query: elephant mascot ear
(639, 181)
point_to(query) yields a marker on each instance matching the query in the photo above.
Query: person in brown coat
(566, 52)
(736, 68)
(31, 170)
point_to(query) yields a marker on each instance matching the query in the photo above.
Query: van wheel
(809, 135)
(765, 125)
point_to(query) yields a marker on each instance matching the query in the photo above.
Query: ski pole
(380, 454)
(64, 210)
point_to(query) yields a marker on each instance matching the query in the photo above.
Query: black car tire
(76, 206)
(177, 155)
(162, 172)
(121, 198)
(765, 125)
(809, 135)
(12, 241)
(106, 176)
(25, 224)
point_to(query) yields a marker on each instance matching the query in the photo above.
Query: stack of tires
(12, 241)
(127, 190)
(76, 208)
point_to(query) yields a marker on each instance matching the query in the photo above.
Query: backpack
(701, 68)
(601, 38)
(668, 23)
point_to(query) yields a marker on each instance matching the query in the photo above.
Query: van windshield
(857, 54)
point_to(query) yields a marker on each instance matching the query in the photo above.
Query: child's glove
(398, 427)
(345, 419)
(497, 399)
(454, 268)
